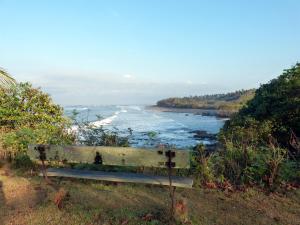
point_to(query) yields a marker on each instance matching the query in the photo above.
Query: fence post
(170, 154)
(42, 150)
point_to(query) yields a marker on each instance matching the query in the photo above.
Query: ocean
(149, 127)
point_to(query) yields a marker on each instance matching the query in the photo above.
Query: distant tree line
(232, 101)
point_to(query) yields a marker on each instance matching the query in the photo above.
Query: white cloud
(189, 82)
(128, 76)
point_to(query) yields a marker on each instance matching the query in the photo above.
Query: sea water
(149, 127)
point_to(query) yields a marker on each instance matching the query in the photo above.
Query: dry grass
(28, 199)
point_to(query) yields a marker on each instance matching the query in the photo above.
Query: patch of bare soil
(18, 196)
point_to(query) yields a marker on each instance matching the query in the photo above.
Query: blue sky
(132, 52)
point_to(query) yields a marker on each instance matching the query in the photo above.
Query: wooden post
(42, 151)
(170, 154)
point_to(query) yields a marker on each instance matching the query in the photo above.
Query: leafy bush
(231, 163)
(18, 139)
(276, 104)
(246, 131)
(290, 171)
(23, 161)
(261, 143)
(27, 115)
(264, 166)
(201, 165)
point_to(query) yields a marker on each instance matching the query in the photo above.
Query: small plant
(181, 211)
(22, 161)
(201, 161)
(61, 197)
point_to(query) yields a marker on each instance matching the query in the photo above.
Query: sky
(139, 51)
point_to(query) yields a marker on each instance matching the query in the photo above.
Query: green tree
(276, 103)
(27, 115)
(257, 140)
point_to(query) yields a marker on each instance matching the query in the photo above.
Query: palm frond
(6, 80)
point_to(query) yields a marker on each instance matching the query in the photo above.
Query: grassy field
(27, 199)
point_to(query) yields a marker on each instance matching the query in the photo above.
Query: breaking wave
(108, 120)
(104, 122)
(76, 108)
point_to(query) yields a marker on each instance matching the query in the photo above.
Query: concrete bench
(116, 156)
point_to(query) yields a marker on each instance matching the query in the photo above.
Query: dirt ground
(27, 199)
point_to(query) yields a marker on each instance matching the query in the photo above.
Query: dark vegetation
(229, 102)
(260, 144)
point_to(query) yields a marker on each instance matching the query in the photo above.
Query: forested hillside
(232, 101)
(276, 105)
(261, 142)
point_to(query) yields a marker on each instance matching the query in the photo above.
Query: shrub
(274, 110)
(202, 165)
(290, 171)
(27, 115)
(265, 166)
(17, 140)
(261, 142)
(231, 163)
(23, 161)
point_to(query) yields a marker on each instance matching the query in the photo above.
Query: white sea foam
(73, 129)
(122, 107)
(180, 124)
(157, 116)
(135, 107)
(103, 122)
(174, 129)
(108, 120)
(76, 108)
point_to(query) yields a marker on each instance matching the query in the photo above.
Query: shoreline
(204, 112)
